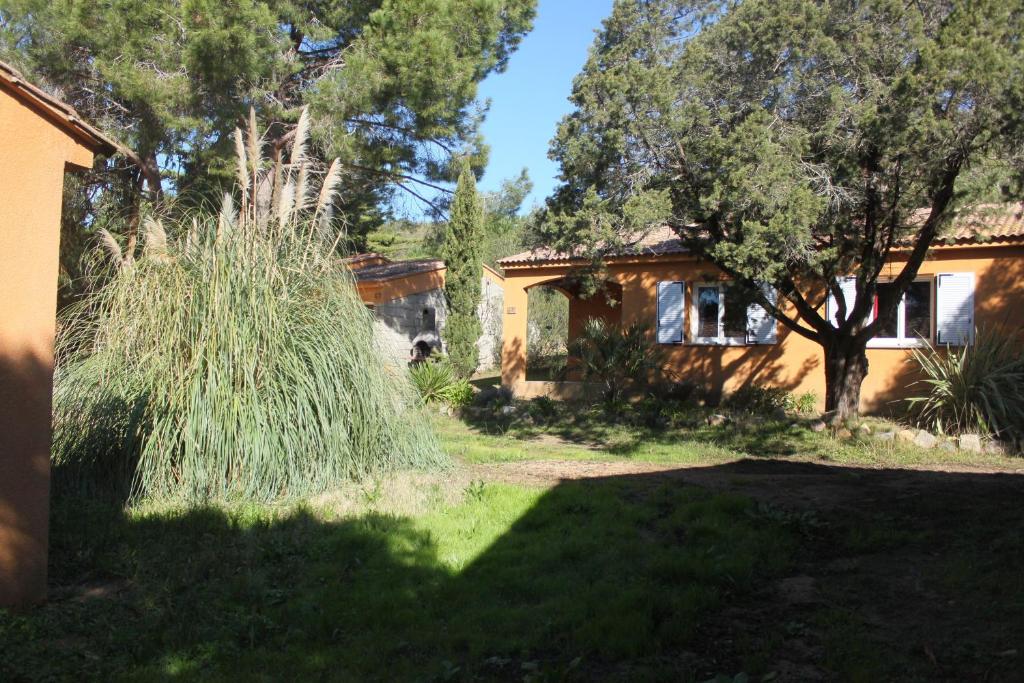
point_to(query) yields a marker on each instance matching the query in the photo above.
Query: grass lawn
(512, 581)
(786, 556)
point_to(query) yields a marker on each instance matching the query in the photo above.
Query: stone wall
(401, 323)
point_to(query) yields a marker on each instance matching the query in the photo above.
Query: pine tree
(461, 254)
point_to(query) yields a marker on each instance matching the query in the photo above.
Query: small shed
(42, 139)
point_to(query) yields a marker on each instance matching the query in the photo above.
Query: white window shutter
(760, 323)
(954, 308)
(848, 286)
(670, 312)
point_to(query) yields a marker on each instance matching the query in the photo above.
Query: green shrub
(804, 403)
(233, 357)
(614, 357)
(976, 388)
(433, 380)
(460, 394)
(757, 399)
(436, 382)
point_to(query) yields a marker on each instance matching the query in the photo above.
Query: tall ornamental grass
(234, 357)
(977, 388)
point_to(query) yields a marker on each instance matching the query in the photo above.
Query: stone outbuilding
(42, 139)
(407, 299)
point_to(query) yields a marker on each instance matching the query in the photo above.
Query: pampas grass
(234, 357)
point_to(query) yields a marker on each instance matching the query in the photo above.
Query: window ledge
(718, 341)
(896, 343)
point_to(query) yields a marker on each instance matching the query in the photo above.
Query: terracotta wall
(33, 156)
(377, 291)
(794, 363)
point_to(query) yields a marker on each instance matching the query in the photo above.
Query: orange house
(42, 138)
(975, 277)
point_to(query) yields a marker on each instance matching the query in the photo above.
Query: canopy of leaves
(392, 84)
(792, 141)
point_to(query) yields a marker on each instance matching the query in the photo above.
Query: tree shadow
(642, 576)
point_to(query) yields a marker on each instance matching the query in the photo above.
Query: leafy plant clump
(234, 357)
(436, 382)
(617, 359)
(975, 388)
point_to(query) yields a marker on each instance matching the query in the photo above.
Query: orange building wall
(375, 292)
(33, 156)
(794, 363)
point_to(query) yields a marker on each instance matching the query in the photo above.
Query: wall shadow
(25, 400)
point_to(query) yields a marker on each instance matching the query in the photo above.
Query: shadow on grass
(636, 577)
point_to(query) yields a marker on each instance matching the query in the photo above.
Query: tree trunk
(846, 365)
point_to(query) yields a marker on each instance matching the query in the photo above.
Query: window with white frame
(910, 323)
(718, 314)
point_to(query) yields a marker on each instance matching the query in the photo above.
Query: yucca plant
(436, 382)
(233, 357)
(612, 357)
(976, 388)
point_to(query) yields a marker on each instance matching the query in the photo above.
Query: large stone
(844, 433)
(925, 439)
(907, 435)
(947, 446)
(885, 436)
(818, 426)
(970, 442)
(717, 420)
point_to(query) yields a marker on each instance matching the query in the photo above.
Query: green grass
(578, 580)
(667, 434)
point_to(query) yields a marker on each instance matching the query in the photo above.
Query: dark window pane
(887, 328)
(707, 311)
(918, 310)
(736, 302)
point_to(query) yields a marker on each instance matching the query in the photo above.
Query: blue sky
(530, 97)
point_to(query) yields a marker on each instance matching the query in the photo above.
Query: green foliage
(793, 142)
(392, 84)
(547, 326)
(804, 403)
(757, 399)
(436, 382)
(615, 358)
(977, 388)
(234, 358)
(462, 287)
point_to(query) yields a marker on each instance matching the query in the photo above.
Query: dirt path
(819, 485)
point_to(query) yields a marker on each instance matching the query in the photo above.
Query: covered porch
(606, 303)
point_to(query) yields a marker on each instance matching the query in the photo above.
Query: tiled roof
(61, 114)
(659, 241)
(983, 223)
(987, 222)
(396, 269)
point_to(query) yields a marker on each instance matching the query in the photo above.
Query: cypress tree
(461, 253)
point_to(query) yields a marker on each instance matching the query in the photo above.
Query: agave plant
(233, 356)
(976, 388)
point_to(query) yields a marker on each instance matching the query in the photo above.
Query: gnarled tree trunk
(846, 366)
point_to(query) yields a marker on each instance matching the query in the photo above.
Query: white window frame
(720, 339)
(901, 341)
